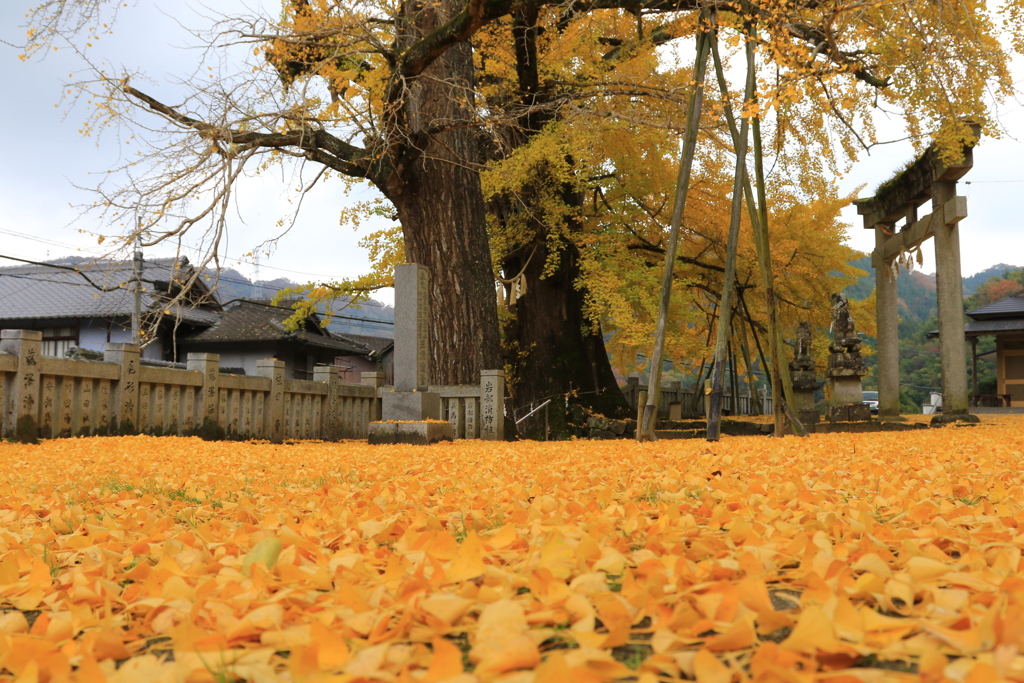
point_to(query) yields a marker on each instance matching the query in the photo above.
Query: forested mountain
(920, 372)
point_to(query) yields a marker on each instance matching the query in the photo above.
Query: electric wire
(89, 283)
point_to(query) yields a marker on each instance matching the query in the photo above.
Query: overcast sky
(46, 159)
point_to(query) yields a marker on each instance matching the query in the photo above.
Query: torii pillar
(928, 178)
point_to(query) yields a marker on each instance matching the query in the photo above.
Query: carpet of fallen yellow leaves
(837, 557)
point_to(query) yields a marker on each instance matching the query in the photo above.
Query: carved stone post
(375, 380)
(273, 406)
(330, 420)
(492, 405)
(22, 410)
(206, 407)
(125, 399)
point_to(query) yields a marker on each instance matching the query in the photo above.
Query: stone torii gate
(928, 178)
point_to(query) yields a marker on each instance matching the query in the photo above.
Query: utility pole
(137, 277)
(255, 289)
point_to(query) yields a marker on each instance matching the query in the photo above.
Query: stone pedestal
(851, 412)
(414, 433)
(847, 389)
(804, 386)
(408, 406)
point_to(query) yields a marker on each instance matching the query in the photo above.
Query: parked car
(871, 400)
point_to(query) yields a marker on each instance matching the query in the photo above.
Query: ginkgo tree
(389, 93)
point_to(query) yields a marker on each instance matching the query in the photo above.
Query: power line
(194, 250)
(216, 279)
(370, 321)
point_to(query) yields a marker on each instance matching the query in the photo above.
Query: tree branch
(317, 145)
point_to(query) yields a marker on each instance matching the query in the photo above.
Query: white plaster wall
(247, 361)
(121, 333)
(92, 333)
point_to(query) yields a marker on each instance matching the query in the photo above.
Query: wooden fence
(677, 403)
(46, 397)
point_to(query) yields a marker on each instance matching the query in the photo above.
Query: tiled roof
(254, 320)
(378, 344)
(1012, 305)
(974, 328)
(39, 291)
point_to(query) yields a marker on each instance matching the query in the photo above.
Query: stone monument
(845, 367)
(805, 381)
(411, 413)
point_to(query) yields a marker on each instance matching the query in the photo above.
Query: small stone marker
(845, 367)
(411, 403)
(492, 412)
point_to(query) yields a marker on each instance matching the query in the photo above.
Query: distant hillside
(972, 283)
(372, 317)
(916, 290)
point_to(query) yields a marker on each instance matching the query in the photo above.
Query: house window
(57, 340)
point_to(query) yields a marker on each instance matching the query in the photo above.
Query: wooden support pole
(974, 367)
(645, 430)
(777, 372)
(725, 304)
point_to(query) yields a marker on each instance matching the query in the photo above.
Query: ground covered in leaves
(846, 556)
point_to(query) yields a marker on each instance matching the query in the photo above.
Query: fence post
(206, 407)
(125, 399)
(273, 407)
(330, 417)
(375, 380)
(22, 420)
(630, 391)
(492, 405)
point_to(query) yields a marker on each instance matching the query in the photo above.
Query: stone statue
(802, 357)
(845, 366)
(843, 332)
(805, 381)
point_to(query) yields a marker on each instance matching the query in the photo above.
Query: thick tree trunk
(441, 208)
(551, 348)
(442, 219)
(549, 345)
